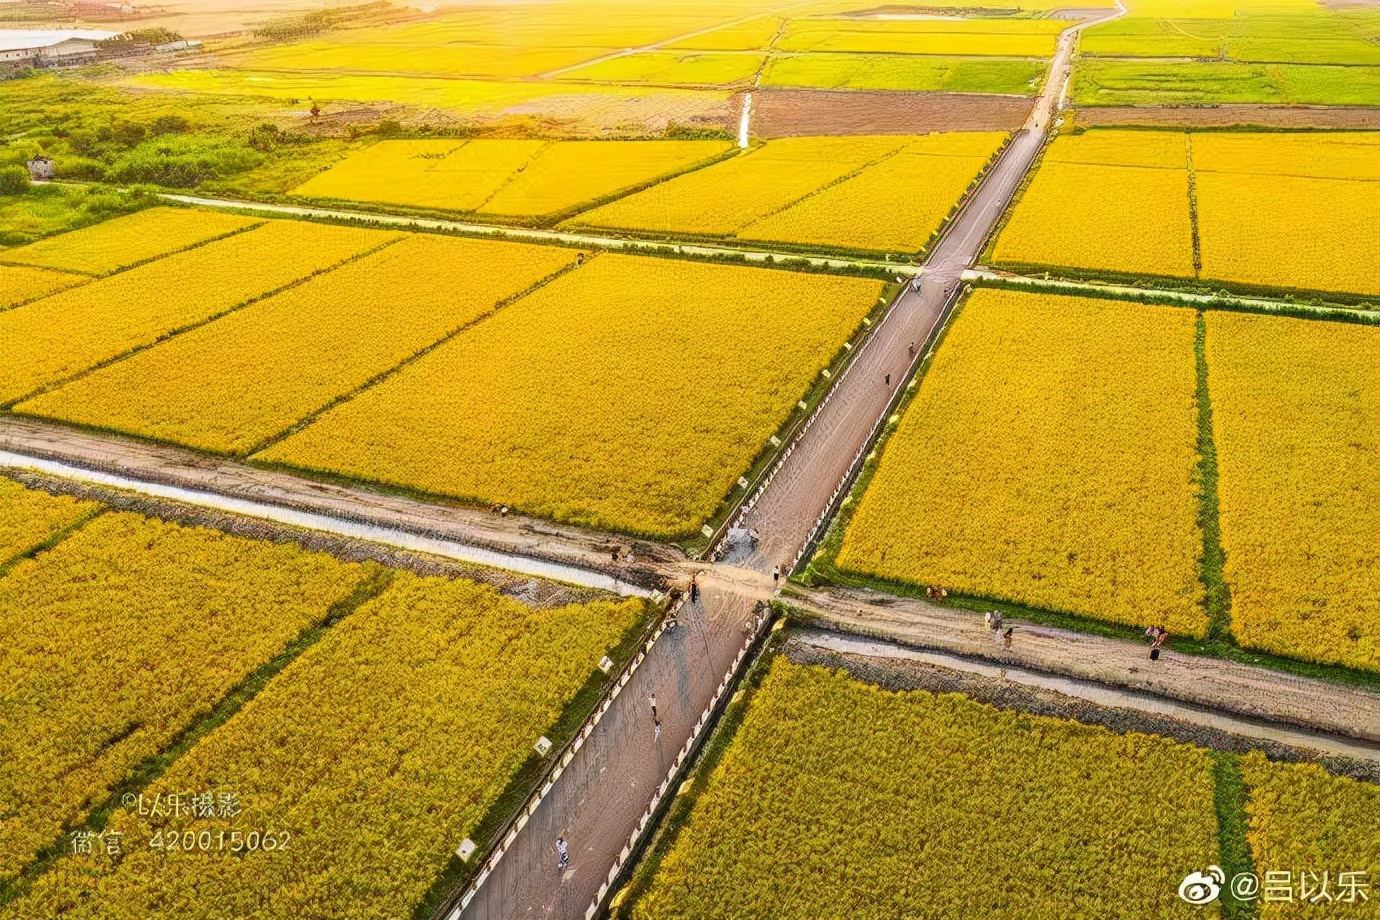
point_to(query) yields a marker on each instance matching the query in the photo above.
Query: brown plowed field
(1267, 116)
(795, 113)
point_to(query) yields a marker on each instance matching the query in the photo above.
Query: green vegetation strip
(1229, 799)
(1217, 591)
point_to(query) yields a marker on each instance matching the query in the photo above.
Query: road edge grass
(372, 584)
(1216, 591)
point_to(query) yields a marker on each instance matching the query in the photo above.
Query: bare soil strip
(808, 112)
(1209, 683)
(1220, 116)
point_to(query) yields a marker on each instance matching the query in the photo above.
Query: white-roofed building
(49, 44)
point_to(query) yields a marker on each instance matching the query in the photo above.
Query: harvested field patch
(797, 112)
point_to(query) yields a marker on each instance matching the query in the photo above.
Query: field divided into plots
(1051, 457)
(626, 392)
(878, 193)
(1241, 53)
(519, 178)
(1048, 458)
(835, 798)
(129, 630)
(1273, 211)
(46, 341)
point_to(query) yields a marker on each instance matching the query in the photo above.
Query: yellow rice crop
(1337, 155)
(629, 394)
(568, 173)
(28, 517)
(520, 177)
(725, 197)
(47, 340)
(1165, 149)
(1296, 416)
(1048, 459)
(753, 35)
(21, 283)
(1109, 218)
(120, 637)
(1033, 38)
(1291, 232)
(714, 68)
(124, 241)
(376, 750)
(895, 205)
(231, 384)
(1303, 818)
(837, 800)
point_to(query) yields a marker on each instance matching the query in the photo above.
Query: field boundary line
(151, 768)
(989, 278)
(422, 352)
(786, 260)
(189, 327)
(383, 534)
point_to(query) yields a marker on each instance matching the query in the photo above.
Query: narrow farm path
(522, 542)
(1013, 673)
(528, 235)
(1209, 684)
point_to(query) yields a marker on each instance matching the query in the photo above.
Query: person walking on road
(994, 623)
(695, 588)
(1006, 638)
(653, 707)
(888, 380)
(776, 574)
(911, 348)
(1161, 634)
(562, 853)
(656, 730)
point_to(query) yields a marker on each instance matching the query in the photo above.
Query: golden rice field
(1274, 210)
(1335, 155)
(1128, 220)
(994, 37)
(895, 205)
(838, 800)
(119, 638)
(372, 754)
(49, 340)
(1049, 459)
(232, 384)
(673, 67)
(869, 193)
(628, 394)
(504, 177)
(1250, 233)
(29, 518)
(753, 35)
(22, 283)
(1304, 819)
(721, 199)
(115, 244)
(1296, 418)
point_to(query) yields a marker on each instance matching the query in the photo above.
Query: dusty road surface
(1227, 686)
(174, 466)
(604, 792)
(788, 511)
